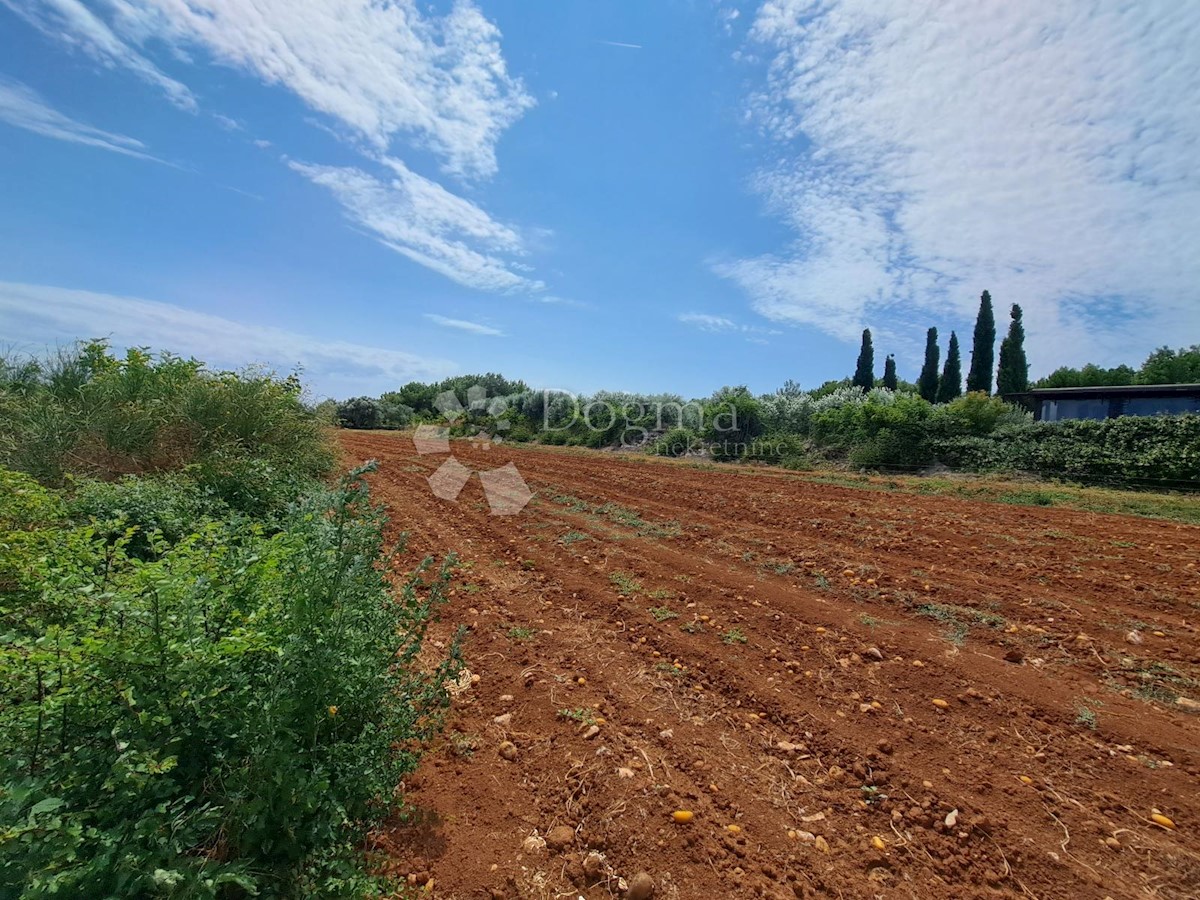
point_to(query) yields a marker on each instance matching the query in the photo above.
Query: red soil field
(855, 693)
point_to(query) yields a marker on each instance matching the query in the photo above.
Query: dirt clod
(560, 837)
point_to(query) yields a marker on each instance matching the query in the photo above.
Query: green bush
(1127, 450)
(677, 442)
(733, 420)
(222, 717)
(788, 450)
(87, 412)
(976, 413)
(877, 434)
(170, 506)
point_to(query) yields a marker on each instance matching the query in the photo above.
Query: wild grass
(246, 438)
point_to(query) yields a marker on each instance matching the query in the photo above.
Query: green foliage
(359, 412)
(976, 413)
(788, 450)
(677, 442)
(1126, 450)
(733, 419)
(143, 513)
(889, 373)
(1013, 374)
(983, 348)
(864, 372)
(1089, 376)
(927, 383)
(87, 412)
(1167, 366)
(222, 713)
(875, 433)
(1163, 366)
(950, 384)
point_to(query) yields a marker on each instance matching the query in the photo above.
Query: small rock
(534, 844)
(503, 720)
(952, 818)
(821, 844)
(507, 698)
(641, 887)
(560, 837)
(592, 731)
(508, 750)
(1134, 637)
(1188, 704)
(874, 653)
(1014, 656)
(623, 772)
(594, 866)
(666, 734)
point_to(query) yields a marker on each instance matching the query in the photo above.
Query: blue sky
(644, 196)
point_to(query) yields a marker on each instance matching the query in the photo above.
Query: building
(1057, 404)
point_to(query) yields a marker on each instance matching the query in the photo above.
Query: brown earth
(789, 689)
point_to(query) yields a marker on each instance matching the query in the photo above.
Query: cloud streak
(384, 70)
(722, 325)
(37, 314)
(930, 150)
(23, 107)
(463, 325)
(421, 220)
(75, 24)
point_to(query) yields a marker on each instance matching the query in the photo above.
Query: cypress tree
(1013, 374)
(983, 350)
(864, 374)
(950, 385)
(927, 384)
(889, 372)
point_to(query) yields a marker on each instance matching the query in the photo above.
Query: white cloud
(229, 124)
(382, 69)
(463, 325)
(621, 44)
(929, 150)
(23, 107)
(721, 324)
(71, 21)
(431, 226)
(38, 314)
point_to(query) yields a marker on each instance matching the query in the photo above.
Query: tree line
(1012, 374)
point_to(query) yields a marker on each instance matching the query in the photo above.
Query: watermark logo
(506, 491)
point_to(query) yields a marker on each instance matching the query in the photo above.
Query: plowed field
(856, 693)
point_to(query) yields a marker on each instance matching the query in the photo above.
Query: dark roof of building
(1116, 390)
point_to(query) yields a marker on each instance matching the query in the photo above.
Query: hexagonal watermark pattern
(506, 491)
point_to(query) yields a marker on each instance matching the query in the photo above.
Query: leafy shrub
(224, 719)
(733, 419)
(788, 450)
(977, 413)
(360, 412)
(1129, 449)
(169, 506)
(87, 412)
(677, 442)
(884, 429)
